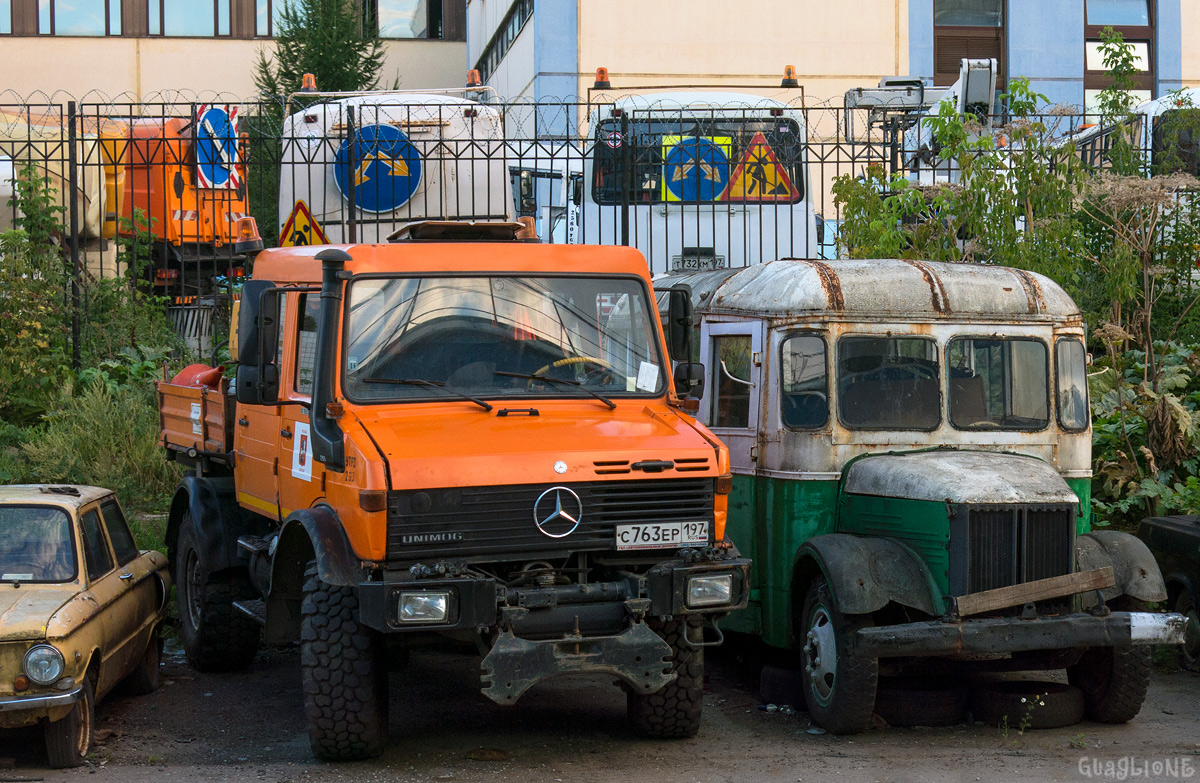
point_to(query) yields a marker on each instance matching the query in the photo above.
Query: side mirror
(689, 379)
(257, 338)
(577, 190)
(679, 324)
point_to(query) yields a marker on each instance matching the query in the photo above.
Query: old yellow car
(80, 610)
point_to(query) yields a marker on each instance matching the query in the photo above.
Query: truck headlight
(44, 664)
(424, 607)
(709, 590)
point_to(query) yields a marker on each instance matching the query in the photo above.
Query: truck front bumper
(1010, 634)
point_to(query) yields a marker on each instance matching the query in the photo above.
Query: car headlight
(44, 664)
(424, 607)
(710, 590)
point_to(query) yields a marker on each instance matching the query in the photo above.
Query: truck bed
(196, 421)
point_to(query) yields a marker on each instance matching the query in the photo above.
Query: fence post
(73, 211)
(627, 176)
(352, 226)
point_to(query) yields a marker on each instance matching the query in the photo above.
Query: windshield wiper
(533, 377)
(431, 384)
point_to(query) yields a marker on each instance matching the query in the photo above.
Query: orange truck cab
(457, 437)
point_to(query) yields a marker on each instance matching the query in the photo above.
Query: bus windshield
(749, 160)
(487, 337)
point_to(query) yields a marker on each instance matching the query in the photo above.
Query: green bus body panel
(922, 524)
(1082, 487)
(791, 512)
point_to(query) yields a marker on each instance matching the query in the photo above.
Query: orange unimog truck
(458, 437)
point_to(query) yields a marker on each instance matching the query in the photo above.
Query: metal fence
(152, 191)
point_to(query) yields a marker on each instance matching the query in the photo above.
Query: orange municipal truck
(457, 437)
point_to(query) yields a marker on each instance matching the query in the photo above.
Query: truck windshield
(477, 335)
(36, 544)
(998, 384)
(698, 160)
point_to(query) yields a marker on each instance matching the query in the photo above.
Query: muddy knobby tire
(343, 672)
(1114, 680)
(216, 636)
(675, 710)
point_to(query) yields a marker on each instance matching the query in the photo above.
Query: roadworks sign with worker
(301, 228)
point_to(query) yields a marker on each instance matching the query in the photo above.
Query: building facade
(550, 48)
(136, 48)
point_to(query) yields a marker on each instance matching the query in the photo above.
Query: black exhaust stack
(327, 444)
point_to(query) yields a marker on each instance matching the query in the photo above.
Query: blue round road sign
(216, 147)
(386, 170)
(696, 169)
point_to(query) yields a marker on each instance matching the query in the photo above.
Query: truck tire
(1189, 651)
(215, 635)
(344, 674)
(69, 739)
(1021, 705)
(839, 687)
(673, 711)
(1114, 680)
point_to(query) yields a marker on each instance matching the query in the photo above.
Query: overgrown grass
(103, 436)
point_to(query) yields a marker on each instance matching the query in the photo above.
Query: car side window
(95, 548)
(119, 533)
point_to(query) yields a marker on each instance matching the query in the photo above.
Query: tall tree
(329, 38)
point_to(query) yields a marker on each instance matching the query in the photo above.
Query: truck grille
(481, 524)
(998, 546)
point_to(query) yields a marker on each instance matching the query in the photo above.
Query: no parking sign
(386, 169)
(217, 147)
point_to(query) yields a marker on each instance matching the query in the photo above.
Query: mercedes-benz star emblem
(557, 512)
(560, 467)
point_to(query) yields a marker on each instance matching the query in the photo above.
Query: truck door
(299, 479)
(256, 439)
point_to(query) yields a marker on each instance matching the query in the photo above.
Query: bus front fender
(866, 574)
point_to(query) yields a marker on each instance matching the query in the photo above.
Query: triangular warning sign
(760, 176)
(301, 229)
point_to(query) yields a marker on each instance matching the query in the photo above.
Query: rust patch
(829, 282)
(1033, 291)
(937, 292)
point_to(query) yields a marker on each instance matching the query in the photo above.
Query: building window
(189, 18)
(71, 17)
(966, 28)
(503, 38)
(1134, 20)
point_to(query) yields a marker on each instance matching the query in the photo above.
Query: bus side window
(803, 383)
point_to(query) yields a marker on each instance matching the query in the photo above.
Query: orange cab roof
(299, 265)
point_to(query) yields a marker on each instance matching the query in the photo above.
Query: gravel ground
(249, 726)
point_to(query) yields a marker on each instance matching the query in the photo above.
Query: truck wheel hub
(194, 586)
(821, 653)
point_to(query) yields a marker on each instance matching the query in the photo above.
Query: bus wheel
(1114, 680)
(839, 687)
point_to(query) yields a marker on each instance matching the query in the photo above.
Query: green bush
(107, 436)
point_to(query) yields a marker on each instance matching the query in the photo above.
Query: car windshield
(500, 337)
(36, 544)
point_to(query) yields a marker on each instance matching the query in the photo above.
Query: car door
(135, 605)
(105, 588)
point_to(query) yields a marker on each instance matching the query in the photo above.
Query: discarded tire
(674, 710)
(1020, 705)
(921, 703)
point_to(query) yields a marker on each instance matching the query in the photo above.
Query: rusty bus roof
(877, 288)
(299, 264)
